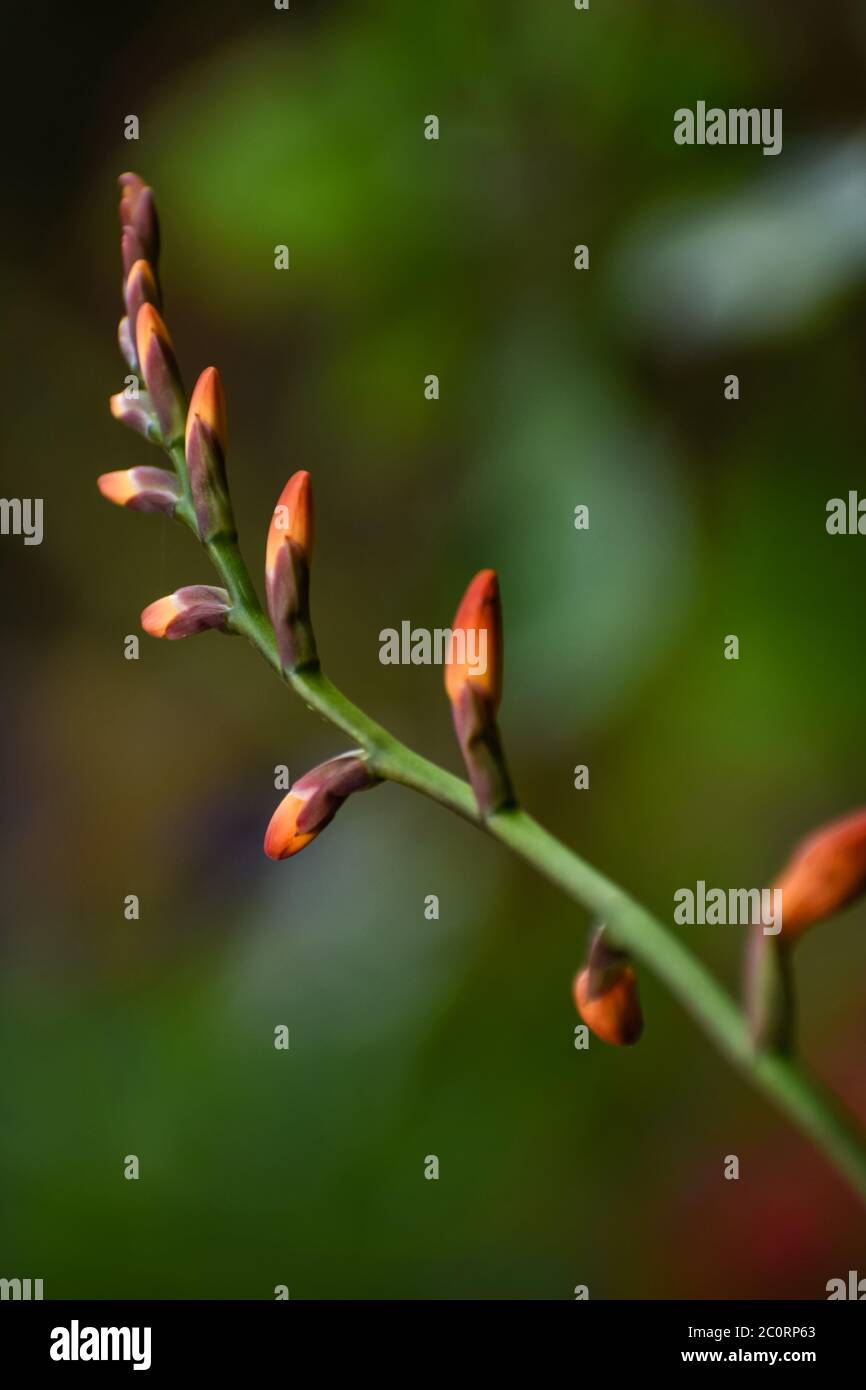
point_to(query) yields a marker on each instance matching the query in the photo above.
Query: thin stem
(781, 1078)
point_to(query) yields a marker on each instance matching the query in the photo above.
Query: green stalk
(781, 1078)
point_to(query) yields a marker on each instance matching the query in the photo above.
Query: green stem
(781, 1078)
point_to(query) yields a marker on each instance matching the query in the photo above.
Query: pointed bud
(206, 442)
(140, 289)
(136, 413)
(826, 872)
(473, 682)
(477, 658)
(606, 994)
(161, 375)
(186, 612)
(287, 572)
(138, 213)
(141, 489)
(314, 801)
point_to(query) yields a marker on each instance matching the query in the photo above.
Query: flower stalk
(288, 645)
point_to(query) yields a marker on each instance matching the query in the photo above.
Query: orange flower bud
(287, 572)
(161, 375)
(475, 656)
(192, 609)
(206, 442)
(208, 404)
(473, 682)
(141, 489)
(606, 995)
(314, 801)
(826, 872)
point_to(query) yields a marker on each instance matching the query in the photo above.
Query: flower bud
(186, 612)
(138, 215)
(206, 441)
(140, 289)
(141, 489)
(136, 412)
(287, 573)
(161, 375)
(473, 682)
(314, 801)
(826, 872)
(606, 994)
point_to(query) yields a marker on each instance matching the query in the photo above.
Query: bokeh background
(155, 777)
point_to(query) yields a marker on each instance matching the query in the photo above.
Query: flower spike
(314, 801)
(186, 612)
(606, 994)
(287, 573)
(206, 443)
(473, 682)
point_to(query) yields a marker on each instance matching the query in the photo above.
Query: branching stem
(783, 1079)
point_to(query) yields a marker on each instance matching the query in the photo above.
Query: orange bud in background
(205, 446)
(473, 683)
(161, 374)
(190, 610)
(826, 872)
(606, 994)
(314, 801)
(141, 489)
(288, 554)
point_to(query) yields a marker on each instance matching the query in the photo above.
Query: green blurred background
(155, 777)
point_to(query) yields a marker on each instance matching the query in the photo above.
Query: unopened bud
(188, 611)
(141, 489)
(314, 801)
(206, 442)
(473, 682)
(606, 994)
(140, 289)
(138, 215)
(287, 573)
(161, 375)
(826, 872)
(136, 413)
